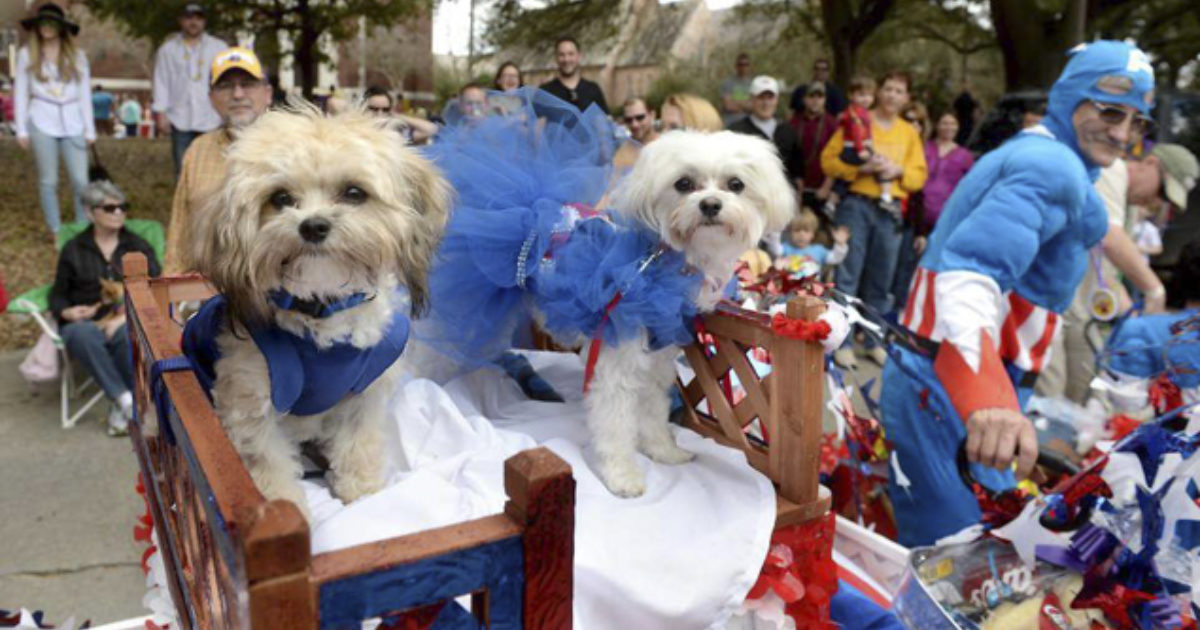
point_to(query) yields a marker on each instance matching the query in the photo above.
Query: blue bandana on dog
(305, 380)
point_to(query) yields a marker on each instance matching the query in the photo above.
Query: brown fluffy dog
(321, 208)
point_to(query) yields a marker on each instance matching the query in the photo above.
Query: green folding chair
(35, 303)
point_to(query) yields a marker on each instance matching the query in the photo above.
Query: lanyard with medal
(1102, 303)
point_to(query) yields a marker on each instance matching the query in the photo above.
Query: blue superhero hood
(1109, 72)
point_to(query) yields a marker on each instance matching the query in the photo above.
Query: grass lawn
(141, 168)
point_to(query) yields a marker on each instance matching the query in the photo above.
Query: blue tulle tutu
(521, 234)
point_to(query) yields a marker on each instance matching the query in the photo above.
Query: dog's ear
(431, 196)
(225, 232)
(779, 202)
(636, 193)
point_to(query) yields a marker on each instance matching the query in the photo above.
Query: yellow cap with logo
(236, 58)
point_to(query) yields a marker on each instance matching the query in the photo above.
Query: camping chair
(35, 303)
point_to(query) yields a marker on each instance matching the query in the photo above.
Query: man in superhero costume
(1005, 258)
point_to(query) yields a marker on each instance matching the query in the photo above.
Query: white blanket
(683, 555)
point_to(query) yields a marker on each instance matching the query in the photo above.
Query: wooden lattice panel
(776, 418)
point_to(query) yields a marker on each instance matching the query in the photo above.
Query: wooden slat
(385, 554)
(754, 455)
(692, 393)
(797, 394)
(716, 399)
(755, 395)
(744, 331)
(745, 411)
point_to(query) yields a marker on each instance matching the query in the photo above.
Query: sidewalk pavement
(69, 506)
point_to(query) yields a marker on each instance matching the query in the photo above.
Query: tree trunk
(305, 51)
(1034, 44)
(633, 15)
(847, 26)
(835, 16)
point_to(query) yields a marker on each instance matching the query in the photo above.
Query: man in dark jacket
(570, 85)
(764, 96)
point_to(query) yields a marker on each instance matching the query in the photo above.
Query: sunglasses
(636, 117)
(1115, 116)
(112, 207)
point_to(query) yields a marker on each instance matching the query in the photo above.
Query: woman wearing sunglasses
(90, 322)
(53, 103)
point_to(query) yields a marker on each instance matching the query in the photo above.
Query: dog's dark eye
(685, 185)
(282, 199)
(354, 196)
(735, 185)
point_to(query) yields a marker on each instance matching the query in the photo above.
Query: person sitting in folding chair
(90, 319)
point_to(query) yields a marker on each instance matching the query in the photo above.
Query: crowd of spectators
(872, 167)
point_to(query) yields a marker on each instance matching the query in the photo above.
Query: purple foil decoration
(1090, 546)
(1163, 613)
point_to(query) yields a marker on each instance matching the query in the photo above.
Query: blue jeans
(46, 149)
(906, 266)
(107, 360)
(870, 265)
(180, 141)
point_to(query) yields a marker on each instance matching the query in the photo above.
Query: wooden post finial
(134, 266)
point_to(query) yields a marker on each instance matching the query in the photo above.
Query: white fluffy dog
(333, 214)
(711, 196)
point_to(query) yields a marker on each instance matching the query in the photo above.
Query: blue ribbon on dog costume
(317, 308)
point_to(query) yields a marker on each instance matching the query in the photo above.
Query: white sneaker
(125, 402)
(118, 425)
(844, 357)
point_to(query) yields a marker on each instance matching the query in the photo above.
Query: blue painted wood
(497, 567)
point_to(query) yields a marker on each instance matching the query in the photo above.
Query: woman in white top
(54, 107)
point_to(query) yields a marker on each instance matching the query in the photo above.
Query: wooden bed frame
(239, 561)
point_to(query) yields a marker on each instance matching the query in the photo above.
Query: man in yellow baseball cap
(240, 93)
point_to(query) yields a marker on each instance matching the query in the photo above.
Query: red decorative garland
(1164, 395)
(800, 329)
(800, 569)
(1122, 425)
(141, 533)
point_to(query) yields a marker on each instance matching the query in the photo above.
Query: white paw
(288, 490)
(623, 478)
(668, 453)
(348, 488)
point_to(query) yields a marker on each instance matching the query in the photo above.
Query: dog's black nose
(710, 206)
(315, 230)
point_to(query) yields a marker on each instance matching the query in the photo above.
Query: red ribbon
(589, 370)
